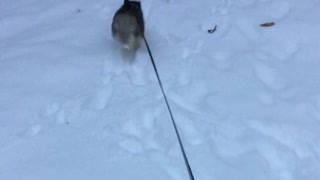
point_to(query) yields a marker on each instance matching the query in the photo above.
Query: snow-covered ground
(246, 98)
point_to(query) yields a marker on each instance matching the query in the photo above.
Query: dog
(128, 25)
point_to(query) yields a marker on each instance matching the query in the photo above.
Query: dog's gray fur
(128, 25)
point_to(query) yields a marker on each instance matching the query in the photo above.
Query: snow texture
(246, 98)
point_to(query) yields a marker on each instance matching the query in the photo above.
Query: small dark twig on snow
(210, 31)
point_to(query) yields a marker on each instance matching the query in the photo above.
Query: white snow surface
(246, 98)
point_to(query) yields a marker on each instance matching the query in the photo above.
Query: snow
(246, 98)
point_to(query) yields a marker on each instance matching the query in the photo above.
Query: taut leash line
(170, 112)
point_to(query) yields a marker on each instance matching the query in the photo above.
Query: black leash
(170, 112)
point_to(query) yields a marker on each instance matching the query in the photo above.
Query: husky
(128, 25)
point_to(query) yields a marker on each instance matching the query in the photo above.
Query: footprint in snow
(278, 159)
(192, 49)
(137, 69)
(131, 129)
(56, 113)
(189, 131)
(33, 130)
(314, 108)
(221, 60)
(143, 126)
(53, 113)
(266, 98)
(60, 113)
(149, 117)
(113, 68)
(131, 144)
(277, 149)
(174, 171)
(106, 78)
(171, 162)
(244, 3)
(270, 76)
(101, 98)
(277, 10)
(190, 96)
(248, 28)
(283, 49)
